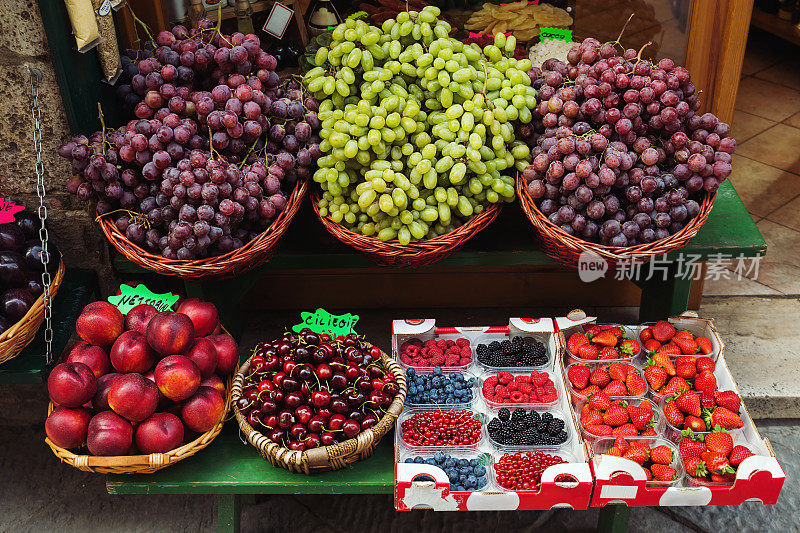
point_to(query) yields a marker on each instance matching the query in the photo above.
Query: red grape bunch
(218, 143)
(620, 156)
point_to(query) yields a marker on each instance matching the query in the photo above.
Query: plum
(28, 223)
(12, 238)
(15, 303)
(13, 270)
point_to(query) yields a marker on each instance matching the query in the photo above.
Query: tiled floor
(766, 173)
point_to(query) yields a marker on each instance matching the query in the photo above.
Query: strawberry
(600, 401)
(625, 430)
(686, 370)
(646, 404)
(578, 375)
(649, 432)
(675, 386)
(689, 447)
(622, 444)
(663, 331)
(729, 400)
(704, 345)
(616, 330)
(588, 391)
(707, 399)
(694, 466)
(589, 352)
(640, 417)
(705, 381)
(617, 371)
(695, 424)
(616, 415)
(576, 340)
(646, 334)
(738, 454)
(689, 402)
(636, 384)
(652, 346)
(591, 418)
(705, 363)
(600, 430)
(614, 451)
(685, 342)
(662, 359)
(629, 347)
(605, 338)
(717, 463)
(663, 472)
(616, 388)
(608, 352)
(673, 415)
(726, 478)
(599, 377)
(638, 455)
(724, 418)
(719, 441)
(661, 454)
(648, 475)
(656, 376)
(686, 359)
(670, 349)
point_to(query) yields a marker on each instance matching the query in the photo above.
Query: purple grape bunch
(215, 147)
(620, 155)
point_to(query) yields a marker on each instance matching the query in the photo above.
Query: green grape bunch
(417, 127)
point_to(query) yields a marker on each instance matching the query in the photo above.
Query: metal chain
(36, 114)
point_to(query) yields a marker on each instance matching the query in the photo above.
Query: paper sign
(278, 20)
(558, 34)
(321, 321)
(133, 296)
(7, 210)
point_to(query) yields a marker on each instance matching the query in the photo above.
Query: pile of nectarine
(142, 383)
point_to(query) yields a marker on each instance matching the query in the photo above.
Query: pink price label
(7, 210)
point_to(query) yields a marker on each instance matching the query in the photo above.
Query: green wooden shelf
(77, 290)
(508, 242)
(231, 466)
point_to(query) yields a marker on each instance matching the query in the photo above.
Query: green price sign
(321, 321)
(130, 297)
(558, 34)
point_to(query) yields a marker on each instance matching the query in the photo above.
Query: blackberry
(528, 437)
(504, 414)
(494, 425)
(513, 353)
(547, 417)
(555, 426)
(518, 415)
(561, 437)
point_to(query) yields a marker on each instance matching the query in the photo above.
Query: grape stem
(103, 128)
(136, 218)
(616, 42)
(137, 20)
(244, 159)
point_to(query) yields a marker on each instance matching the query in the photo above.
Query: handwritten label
(278, 20)
(557, 34)
(133, 296)
(321, 321)
(7, 210)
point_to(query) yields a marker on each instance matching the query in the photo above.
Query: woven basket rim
(548, 231)
(374, 433)
(415, 253)
(249, 256)
(22, 332)
(144, 464)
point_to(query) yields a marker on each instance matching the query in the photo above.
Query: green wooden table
(78, 289)
(229, 469)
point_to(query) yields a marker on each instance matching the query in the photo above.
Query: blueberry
(419, 460)
(471, 481)
(480, 483)
(439, 457)
(423, 478)
(457, 488)
(437, 370)
(411, 372)
(480, 470)
(409, 460)
(430, 461)
(473, 462)
(451, 474)
(450, 461)
(463, 462)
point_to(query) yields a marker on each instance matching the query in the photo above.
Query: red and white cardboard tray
(410, 494)
(594, 479)
(618, 480)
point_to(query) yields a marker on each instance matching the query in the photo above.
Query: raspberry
(430, 343)
(501, 391)
(525, 388)
(539, 379)
(465, 351)
(504, 377)
(512, 386)
(464, 361)
(437, 360)
(442, 344)
(462, 343)
(523, 379)
(454, 349)
(451, 360)
(435, 351)
(492, 380)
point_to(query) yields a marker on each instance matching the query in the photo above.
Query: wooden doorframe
(716, 41)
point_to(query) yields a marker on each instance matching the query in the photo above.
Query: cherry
(375, 371)
(324, 371)
(288, 365)
(320, 398)
(391, 389)
(258, 367)
(290, 384)
(375, 352)
(254, 418)
(358, 416)
(257, 359)
(269, 406)
(243, 403)
(312, 440)
(338, 381)
(350, 341)
(326, 438)
(364, 385)
(298, 431)
(303, 413)
(293, 399)
(316, 424)
(277, 379)
(377, 384)
(339, 405)
(325, 337)
(251, 394)
(336, 421)
(302, 353)
(369, 420)
(351, 428)
(285, 419)
(312, 338)
(296, 446)
(352, 372)
(276, 435)
(279, 396)
(304, 388)
(265, 385)
(272, 363)
(325, 413)
(338, 366)
(284, 348)
(270, 421)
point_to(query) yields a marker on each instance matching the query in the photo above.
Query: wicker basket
(414, 254)
(324, 458)
(249, 256)
(141, 464)
(566, 249)
(18, 336)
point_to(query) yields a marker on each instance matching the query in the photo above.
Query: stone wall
(23, 43)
